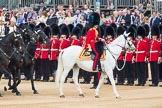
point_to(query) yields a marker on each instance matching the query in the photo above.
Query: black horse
(7, 51)
(30, 38)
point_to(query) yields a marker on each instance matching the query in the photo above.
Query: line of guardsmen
(148, 50)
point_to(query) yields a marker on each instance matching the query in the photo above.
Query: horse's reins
(119, 69)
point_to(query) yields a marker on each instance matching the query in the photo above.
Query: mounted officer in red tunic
(92, 38)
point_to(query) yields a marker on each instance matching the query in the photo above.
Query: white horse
(68, 60)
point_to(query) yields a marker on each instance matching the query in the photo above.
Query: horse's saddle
(87, 54)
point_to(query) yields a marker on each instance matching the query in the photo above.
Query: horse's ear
(126, 34)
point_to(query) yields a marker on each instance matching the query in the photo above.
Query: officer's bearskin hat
(94, 19)
(76, 31)
(132, 32)
(120, 30)
(100, 31)
(155, 31)
(147, 28)
(48, 31)
(109, 31)
(55, 29)
(64, 30)
(70, 26)
(141, 31)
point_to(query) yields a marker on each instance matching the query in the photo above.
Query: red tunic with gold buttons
(154, 50)
(37, 51)
(141, 50)
(54, 51)
(121, 57)
(129, 55)
(44, 51)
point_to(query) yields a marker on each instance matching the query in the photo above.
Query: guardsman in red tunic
(92, 38)
(64, 42)
(120, 60)
(147, 28)
(54, 49)
(129, 58)
(110, 34)
(154, 55)
(141, 56)
(76, 32)
(37, 63)
(44, 56)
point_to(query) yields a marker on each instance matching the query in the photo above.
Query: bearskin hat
(114, 26)
(100, 31)
(147, 28)
(80, 26)
(76, 31)
(155, 31)
(64, 30)
(70, 26)
(55, 29)
(31, 26)
(40, 26)
(132, 32)
(120, 30)
(133, 25)
(94, 19)
(109, 31)
(84, 30)
(141, 31)
(48, 31)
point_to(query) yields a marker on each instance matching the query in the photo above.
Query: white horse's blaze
(68, 60)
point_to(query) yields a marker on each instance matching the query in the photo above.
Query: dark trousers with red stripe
(37, 69)
(53, 66)
(141, 73)
(96, 59)
(121, 73)
(129, 72)
(154, 72)
(45, 68)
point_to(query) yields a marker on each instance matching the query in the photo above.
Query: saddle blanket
(86, 55)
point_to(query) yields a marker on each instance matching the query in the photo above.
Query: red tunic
(154, 50)
(54, 51)
(121, 57)
(141, 50)
(37, 51)
(91, 38)
(44, 51)
(64, 44)
(76, 42)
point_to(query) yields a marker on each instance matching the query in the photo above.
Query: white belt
(140, 52)
(37, 48)
(155, 51)
(44, 49)
(54, 49)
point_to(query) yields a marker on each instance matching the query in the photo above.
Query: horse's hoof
(118, 97)
(18, 94)
(97, 96)
(35, 92)
(13, 91)
(62, 96)
(5, 88)
(1, 95)
(82, 95)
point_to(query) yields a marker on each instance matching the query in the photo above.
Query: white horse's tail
(59, 69)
